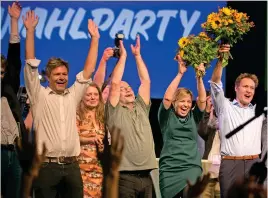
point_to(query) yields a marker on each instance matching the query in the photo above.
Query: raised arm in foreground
(117, 76)
(168, 97)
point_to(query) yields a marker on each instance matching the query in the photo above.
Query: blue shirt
(231, 115)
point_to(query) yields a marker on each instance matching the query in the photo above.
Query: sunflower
(226, 11)
(183, 42)
(204, 36)
(230, 21)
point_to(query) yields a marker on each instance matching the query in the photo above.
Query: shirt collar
(235, 102)
(50, 91)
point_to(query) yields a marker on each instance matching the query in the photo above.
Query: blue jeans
(10, 174)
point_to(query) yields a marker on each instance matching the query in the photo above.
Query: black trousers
(63, 180)
(231, 170)
(134, 184)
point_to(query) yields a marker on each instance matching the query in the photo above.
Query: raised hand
(200, 70)
(93, 29)
(14, 10)
(181, 64)
(136, 50)
(123, 51)
(29, 158)
(30, 21)
(107, 54)
(224, 48)
(117, 148)
(198, 188)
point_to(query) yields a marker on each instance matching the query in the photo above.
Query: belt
(61, 160)
(141, 173)
(9, 147)
(246, 157)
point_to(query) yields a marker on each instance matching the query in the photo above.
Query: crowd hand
(123, 52)
(193, 191)
(247, 188)
(29, 158)
(30, 21)
(200, 70)
(136, 50)
(117, 148)
(14, 10)
(107, 54)
(93, 29)
(181, 64)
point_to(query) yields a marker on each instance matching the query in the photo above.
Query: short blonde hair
(247, 75)
(54, 63)
(181, 92)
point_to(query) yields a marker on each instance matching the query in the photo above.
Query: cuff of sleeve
(217, 85)
(80, 78)
(33, 62)
(14, 38)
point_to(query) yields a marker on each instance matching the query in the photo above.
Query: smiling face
(182, 101)
(183, 105)
(126, 93)
(58, 79)
(245, 91)
(92, 97)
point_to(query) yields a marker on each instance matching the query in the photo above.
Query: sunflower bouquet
(195, 50)
(227, 26)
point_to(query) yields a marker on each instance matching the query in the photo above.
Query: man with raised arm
(54, 113)
(11, 120)
(131, 115)
(241, 151)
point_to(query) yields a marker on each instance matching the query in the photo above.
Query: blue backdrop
(62, 32)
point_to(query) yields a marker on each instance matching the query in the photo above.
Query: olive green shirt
(139, 153)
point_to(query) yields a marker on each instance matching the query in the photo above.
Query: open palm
(136, 50)
(93, 29)
(30, 21)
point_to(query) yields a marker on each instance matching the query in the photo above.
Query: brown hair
(247, 75)
(81, 110)
(54, 63)
(180, 92)
(3, 61)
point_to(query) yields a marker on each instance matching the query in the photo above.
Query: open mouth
(247, 96)
(128, 95)
(184, 109)
(61, 83)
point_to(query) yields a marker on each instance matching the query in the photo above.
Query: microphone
(257, 114)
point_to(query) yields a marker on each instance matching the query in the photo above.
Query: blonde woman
(90, 123)
(180, 160)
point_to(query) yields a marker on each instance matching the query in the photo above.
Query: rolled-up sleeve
(31, 78)
(14, 38)
(80, 86)
(217, 96)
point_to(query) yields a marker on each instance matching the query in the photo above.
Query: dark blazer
(11, 82)
(207, 133)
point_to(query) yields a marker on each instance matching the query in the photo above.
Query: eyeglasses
(3, 72)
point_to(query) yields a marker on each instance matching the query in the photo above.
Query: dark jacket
(11, 82)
